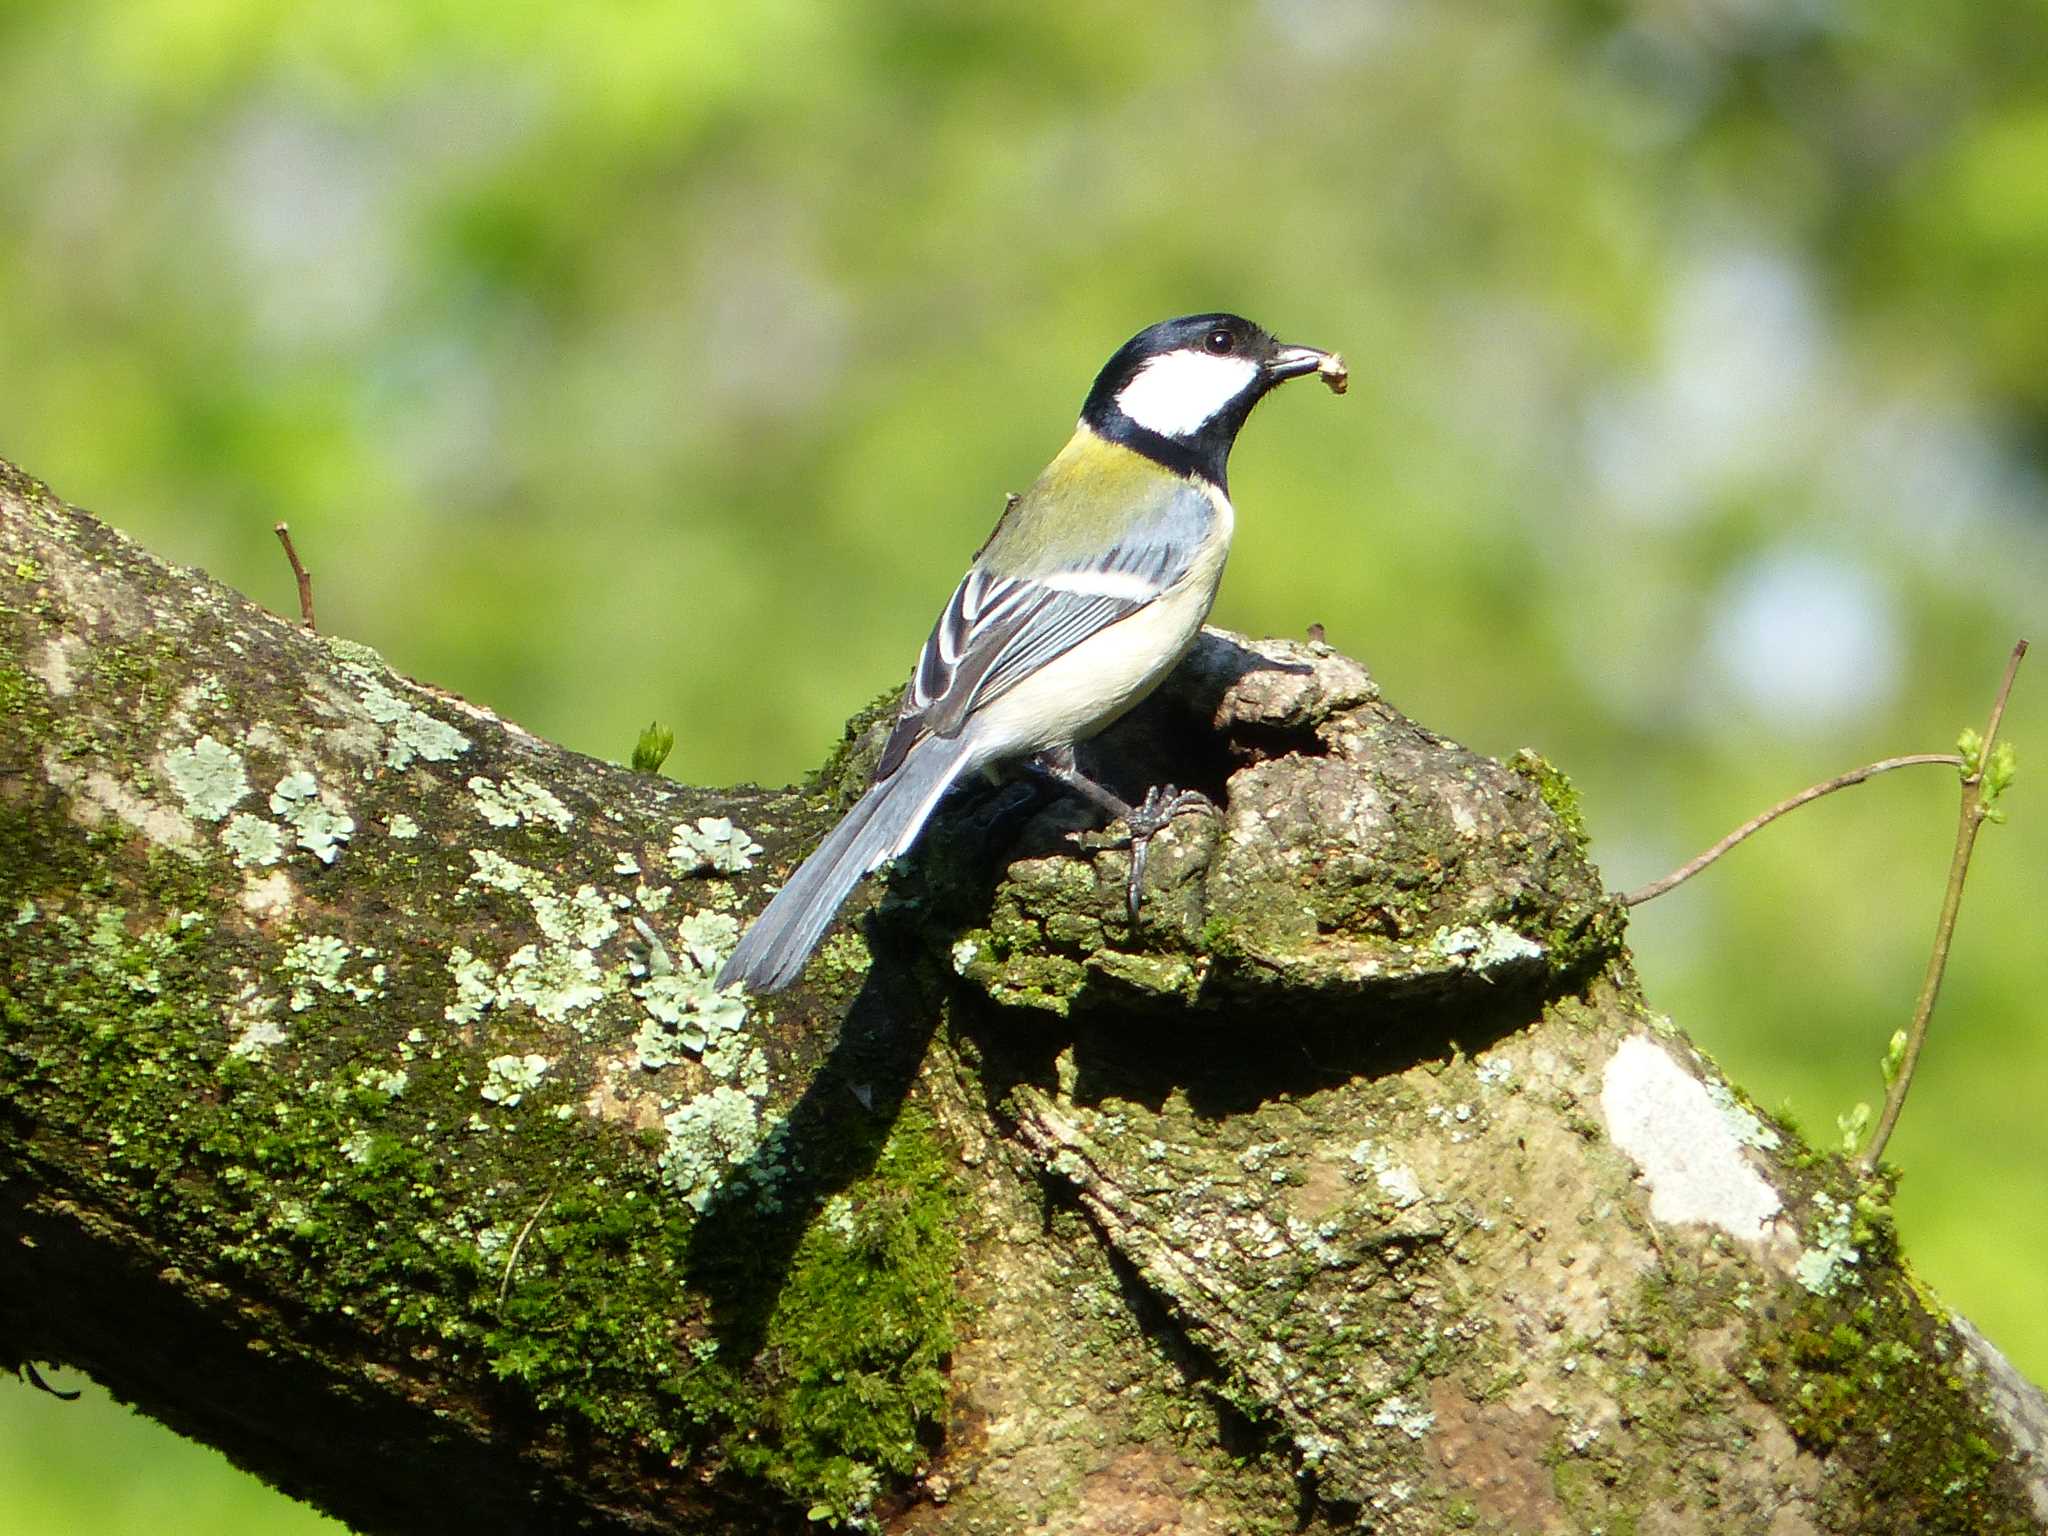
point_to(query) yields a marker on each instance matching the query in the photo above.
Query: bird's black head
(1178, 391)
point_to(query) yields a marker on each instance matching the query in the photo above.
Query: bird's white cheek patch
(1174, 395)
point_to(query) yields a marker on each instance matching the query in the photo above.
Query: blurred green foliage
(624, 360)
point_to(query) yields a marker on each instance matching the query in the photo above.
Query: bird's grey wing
(996, 630)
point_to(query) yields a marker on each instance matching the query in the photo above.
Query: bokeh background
(623, 361)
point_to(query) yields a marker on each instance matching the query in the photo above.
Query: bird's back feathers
(1034, 593)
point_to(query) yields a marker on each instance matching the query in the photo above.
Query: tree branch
(344, 1125)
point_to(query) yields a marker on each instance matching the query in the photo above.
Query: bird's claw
(1162, 803)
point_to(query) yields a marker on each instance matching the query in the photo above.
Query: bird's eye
(1220, 341)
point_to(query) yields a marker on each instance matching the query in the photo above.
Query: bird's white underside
(1082, 689)
(1079, 691)
(1177, 392)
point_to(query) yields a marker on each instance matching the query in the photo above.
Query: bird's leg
(1162, 803)
(1058, 764)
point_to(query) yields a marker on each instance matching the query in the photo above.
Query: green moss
(593, 1306)
(1585, 1485)
(1020, 977)
(1556, 791)
(537, 1247)
(19, 693)
(1869, 1377)
(861, 1334)
(1162, 975)
(851, 763)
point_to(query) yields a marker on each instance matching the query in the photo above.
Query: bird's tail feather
(880, 827)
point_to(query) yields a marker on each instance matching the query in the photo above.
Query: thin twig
(1755, 824)
(519, 1242)
(1968, 820)
(284, 537)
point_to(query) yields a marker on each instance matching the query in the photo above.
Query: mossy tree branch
(349, 1122)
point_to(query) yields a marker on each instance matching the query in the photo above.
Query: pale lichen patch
(252, 840)
(476, 986)
(249, 1018)
(1829, 1263)
(708, 938)
(513, 1077)
(583, 918)
(256, 1039)
(685, 1015)
(517, 800)
(421, 735)
(711, 845)
(203, 694)
(1411, 1419)
(321, 829)
(208, 777)
(1484, 948)
(1742, 1122)
(410, 733)
(1396, 1181)
(1691, 1159)
(402, 827)
(315, 964)
(554, 981)
(555, 978)
(1399, 1184)
(711, 1136)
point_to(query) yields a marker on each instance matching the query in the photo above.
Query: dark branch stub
(304, 576)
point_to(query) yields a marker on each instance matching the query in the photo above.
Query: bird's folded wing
(997, 631)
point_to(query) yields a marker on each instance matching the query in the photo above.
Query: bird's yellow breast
(1093, 493)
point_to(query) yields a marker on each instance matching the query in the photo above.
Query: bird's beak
(1295, 362)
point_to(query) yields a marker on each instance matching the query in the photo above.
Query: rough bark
(350, 1122)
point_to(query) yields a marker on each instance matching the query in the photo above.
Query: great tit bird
(1093, 585)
